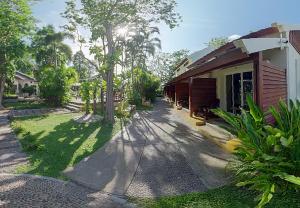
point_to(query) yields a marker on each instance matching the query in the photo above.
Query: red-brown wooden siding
(295, 39)
(203, 92)
(182, 91)
(170, 92)
(272, 85)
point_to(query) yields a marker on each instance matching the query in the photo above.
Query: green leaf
(290, 178)
(255, 112)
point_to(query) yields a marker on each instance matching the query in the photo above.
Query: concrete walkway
(157, 154)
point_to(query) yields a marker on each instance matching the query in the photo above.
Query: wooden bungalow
(264, 64)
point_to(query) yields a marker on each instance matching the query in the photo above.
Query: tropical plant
(86, 95)
(15, 25)
(50, 50)
(268, 159)
(145, 86)
(55, 84)
(104, 17)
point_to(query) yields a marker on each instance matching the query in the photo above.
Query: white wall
(276, 56)
(293, 73)
(220, 75)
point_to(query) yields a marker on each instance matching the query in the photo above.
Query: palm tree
(49, 47)
(139, 45)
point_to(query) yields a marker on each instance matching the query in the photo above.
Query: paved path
(27, 191)
(158, 154)
(11, 155)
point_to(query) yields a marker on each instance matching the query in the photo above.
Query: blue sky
(202, 20)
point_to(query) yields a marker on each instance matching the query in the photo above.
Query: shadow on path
(156, 155)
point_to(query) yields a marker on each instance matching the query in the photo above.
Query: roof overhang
(254, 45)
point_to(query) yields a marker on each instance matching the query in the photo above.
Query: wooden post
(257, 85)
(190, 96)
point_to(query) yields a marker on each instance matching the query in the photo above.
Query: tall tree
(16, 23)
(140, 44)
(50, 50)
(164, 64)
(84, 67)
(103, 17)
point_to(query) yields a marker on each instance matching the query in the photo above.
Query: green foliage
(145, 86)
(224, 197)
(29, 89)
(218, 42)
(164, 64)
(268, 159)
(89, 90)
(15, 25)
(86, 94)
(122, 110)
(55, 84)
(83, 66)
(49, 48)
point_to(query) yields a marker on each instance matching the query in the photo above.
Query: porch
(227, 86)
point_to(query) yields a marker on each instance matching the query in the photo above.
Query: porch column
(190, 96)
(257, 85)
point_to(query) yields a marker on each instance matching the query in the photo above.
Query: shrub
(29, 89)
(55, 84)
(145, 85)
(268, 159)
(122, 110)
(86, 95)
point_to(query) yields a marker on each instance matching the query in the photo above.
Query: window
(238, 86)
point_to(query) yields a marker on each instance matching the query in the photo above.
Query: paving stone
(22, 191)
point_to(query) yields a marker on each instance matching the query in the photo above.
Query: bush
(268, 159)
(86, 95)
(55, 84)
(145, 86)
(29, 89)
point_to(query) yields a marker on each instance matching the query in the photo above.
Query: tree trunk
(95, 101)
(2, 84)
(102, 99)
(110, 76)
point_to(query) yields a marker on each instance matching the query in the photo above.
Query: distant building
(23, 80)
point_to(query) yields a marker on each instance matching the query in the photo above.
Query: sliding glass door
(238, 86)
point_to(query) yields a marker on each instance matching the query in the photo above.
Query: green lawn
(225, 197)
(55, 142)
(21, 105)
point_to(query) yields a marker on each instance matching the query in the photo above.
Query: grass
(225, 197)
(55, 142)
(21, 105)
